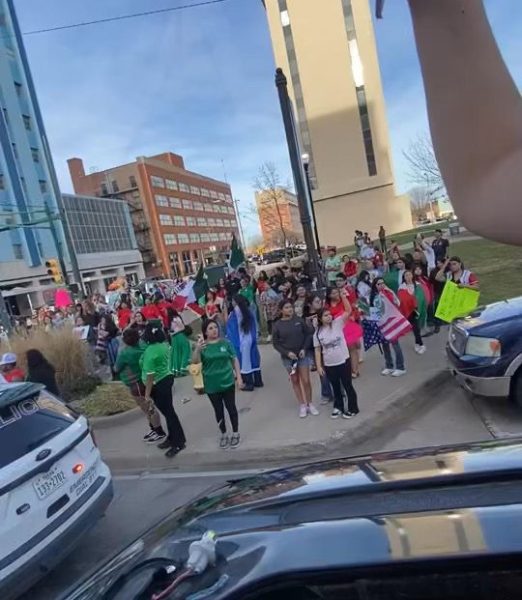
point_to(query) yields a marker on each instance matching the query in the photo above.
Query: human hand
(200, 344)
(302, 354)
(320, 371)
(239, 383)
(292, 356)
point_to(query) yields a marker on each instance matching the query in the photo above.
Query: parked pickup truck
(485, 350)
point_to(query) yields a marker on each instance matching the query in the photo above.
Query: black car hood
(371, 510)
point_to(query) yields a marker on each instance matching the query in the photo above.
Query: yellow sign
(456, 302)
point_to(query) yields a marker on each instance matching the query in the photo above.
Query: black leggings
(222, 400)
(414, 320)
(341, 375)
(162, 395)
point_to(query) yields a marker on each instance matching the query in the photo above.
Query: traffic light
(53, 269)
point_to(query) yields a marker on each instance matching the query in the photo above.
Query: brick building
(180, 218)
(277, 210)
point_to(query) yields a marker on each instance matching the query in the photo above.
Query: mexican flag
(189, 298)
(237, 256)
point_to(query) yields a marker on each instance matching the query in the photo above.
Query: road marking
(186, 474)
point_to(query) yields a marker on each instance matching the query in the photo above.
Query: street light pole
(297, 171)
(306, 165)
(240, 223)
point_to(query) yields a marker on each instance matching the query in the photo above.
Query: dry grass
(107, 399)
(69, 356)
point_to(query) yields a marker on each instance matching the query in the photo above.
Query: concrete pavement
(270, 428)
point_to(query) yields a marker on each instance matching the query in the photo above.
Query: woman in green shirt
(128, 367)
(158, 380)
(219, 365)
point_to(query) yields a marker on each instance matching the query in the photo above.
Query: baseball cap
(8, 359)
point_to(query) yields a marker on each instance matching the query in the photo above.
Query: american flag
(393, 324)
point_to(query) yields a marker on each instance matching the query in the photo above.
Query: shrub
(68, 355)
(107, 399)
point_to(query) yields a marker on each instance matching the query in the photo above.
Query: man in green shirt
(128, 367)
(332, 265)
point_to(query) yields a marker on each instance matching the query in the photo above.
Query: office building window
(187, 262)
(104, 190)
(18, 88)
(215, 208)
(169, 238)
(27, 122)
(15, 151)
(205, 192)
(228, 198)
(214, 237)
(213, 194)
(191, 222)
(165, 219)
(179, 221)
(221, 196)
(2, 182)
(18, 251)
(132, 181)
(43, 186)
(195, 190)
(115, 186)
(188, 204)
(211, 222)
(194, 238)
(208, 208)
(231, 210)
(175, 202)
(219, 222)
(157, 181)
(358, 80)
(223, 237)
(205, 237)
(171, 184)
(224, 209)
(202, 222)
(161, 200)
(198, 206)
(183, 187)
(183, 238)
(35, 154)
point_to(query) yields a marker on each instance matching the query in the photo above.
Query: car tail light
(78, 468)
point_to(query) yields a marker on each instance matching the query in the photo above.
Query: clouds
(199, 82)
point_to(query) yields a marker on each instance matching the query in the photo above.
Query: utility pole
(240, 223)
(297, 171)
(306, 165)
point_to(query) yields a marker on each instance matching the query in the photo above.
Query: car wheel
(516, 388)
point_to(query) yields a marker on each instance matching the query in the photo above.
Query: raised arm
(475, 114)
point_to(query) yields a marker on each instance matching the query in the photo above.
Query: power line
(124, 17)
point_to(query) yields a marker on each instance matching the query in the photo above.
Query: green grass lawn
(498, 267)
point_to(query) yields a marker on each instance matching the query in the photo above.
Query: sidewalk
(271, 432)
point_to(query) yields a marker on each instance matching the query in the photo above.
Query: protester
(409, 307)
(350, 266)
(107, 341)
(128, 368)
(291, 338)
(437, 286)
(40, 370)
(440, 245)
(457, 274)
(393, 278)
(124, 315)
(138, 322)
(277, 278)
(424, 294)
(382, 239)
(219, 367)
(269, 301)
(379, 295)
(332, 265)
(363, 286)
(247, 289)
(180, 346)
(312, 308)
(211, 305)
(300, 300)
(242, 333)
(332, 358)
(11, 372)
(159, 381)
(150, 310)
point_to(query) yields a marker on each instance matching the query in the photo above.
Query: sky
(200, 82)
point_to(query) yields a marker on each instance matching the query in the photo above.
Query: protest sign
(456, 302)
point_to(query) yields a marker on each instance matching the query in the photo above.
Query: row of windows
(194, 238)
(164, 201)
(170, 184)
(180, 221)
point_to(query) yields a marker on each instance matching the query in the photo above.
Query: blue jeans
(399, 357)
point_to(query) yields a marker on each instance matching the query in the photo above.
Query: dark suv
(485, 350)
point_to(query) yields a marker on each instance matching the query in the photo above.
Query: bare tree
(420, 201)
(423, 166)
(268, 183)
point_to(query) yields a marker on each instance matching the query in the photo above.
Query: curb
(346, 444)
(117, 419)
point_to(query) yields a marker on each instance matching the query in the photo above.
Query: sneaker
(325, 400)
(268, 339)
(387, 371)
(398, 372)
(312, 410)
(352, 414)
(164, 445)
(336, 413)
(347, 415)
(224, 441)
(148, 435)
(234, 440)
(417, 348)
(422, 349)
(172, 451)
(303, 412)
(155, 437)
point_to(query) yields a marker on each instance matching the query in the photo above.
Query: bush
(107, 399)
(68, 355)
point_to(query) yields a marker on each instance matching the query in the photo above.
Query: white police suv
(53, 484)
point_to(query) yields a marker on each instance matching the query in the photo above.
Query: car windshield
(28, 423)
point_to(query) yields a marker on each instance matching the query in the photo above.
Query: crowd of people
(143, 339)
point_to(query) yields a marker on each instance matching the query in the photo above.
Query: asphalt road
(140, 501)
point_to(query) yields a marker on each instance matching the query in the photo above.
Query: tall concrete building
(328, 53)
(278, 211)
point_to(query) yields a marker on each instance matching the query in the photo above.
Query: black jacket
(44, 374)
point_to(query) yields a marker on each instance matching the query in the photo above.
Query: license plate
(48, 483)
(85, 481)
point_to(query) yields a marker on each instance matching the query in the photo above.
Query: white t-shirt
(429, 253)
(332, 343)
